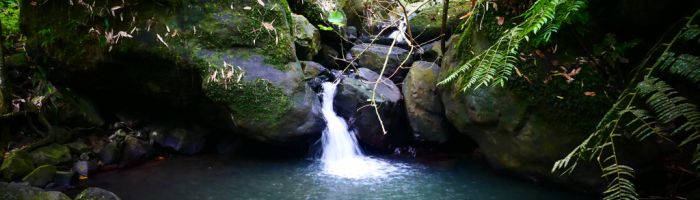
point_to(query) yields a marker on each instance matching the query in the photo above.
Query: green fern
(495, 65)
(666, 106)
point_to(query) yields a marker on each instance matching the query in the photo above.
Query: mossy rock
(50, 155)
(423, 105)
(17, 191)
(41, 176)
(427, 23)
(16, 165)
(306, 37)
(525, 127)
(182, 55)
(94, 193)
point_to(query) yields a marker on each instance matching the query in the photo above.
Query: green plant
(9, 15)
(495, 65)
(647, 108)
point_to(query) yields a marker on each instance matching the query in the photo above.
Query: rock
(16, 165)
(41, 176)
(307, 38)
(327, 57)
(372, 56)
(110, 153)
(64, 179)
(427, 21)
(135, 151)
(76, 110)
(18, 191)
(78, 147)
(317, 12)
(94, 193)
(208, 55)
(353, 93)
(312, 69)
(432, 51)
(523, 128)
(50, 155)
(423, 104)
(187, 141)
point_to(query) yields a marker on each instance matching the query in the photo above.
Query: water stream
(342, 155)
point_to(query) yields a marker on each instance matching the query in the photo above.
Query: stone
(17, 191)
(208, 55)
(426, 24)
(93, 193)
(41, 176)
(135, 151)
(65, 179)
(184, 140)
(423, 104)
(372, 56)
(52, 154)
(307, 38)
(110, 153)
(16, 165)
(354, 92)
(78, 147)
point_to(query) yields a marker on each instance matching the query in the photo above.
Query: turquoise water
(229, 177)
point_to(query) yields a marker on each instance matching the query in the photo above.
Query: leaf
(337, 18)
(161, 40)
(261, 2)
(324, 28)
(590, 94)
(500, 19)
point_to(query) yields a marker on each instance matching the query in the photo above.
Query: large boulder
(307, 38)
(525, 127)
(238, 54)
(373, 56)
(16, 165)
(318, 11)
(41, 176)
(94, 193)
(423, 104)
(426, 24)
(17, 191)
(50, 155)
(352, 103)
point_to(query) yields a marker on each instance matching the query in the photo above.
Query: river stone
(16, 165)
(423, 105)
(110, 153)
(64, 179)
(17, 191)
(41, 176)
(372, 56)
(317, 11)
(93, 193)
(232, 53)
(184, 140)
(354, 92)
(135, 151)
(307, 38)
(50, 155)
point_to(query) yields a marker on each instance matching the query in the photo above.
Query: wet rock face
(188, 57)
(351, 102)
(423, 105)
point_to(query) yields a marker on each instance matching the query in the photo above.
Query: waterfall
(342, 155)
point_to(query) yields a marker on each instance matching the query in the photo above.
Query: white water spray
(342, 155)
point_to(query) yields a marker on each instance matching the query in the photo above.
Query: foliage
(495, 65)
(9, 15)
(647, 108)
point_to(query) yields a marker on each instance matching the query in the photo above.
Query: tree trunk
(443, 34)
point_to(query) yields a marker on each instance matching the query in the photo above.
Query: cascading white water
(342, 155)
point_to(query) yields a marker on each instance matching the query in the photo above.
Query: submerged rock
(94, 193)
(372, 56)
(51, 155)
(16, 165)
(234, 53)
(352, 103)
(423, 105)
(17, 191)
(307, 38)
(41, 176)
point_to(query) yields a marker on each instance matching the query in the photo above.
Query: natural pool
(235, 177)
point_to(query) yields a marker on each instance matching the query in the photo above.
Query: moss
(258, 101)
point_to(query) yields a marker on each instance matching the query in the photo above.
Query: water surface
(230, 177)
